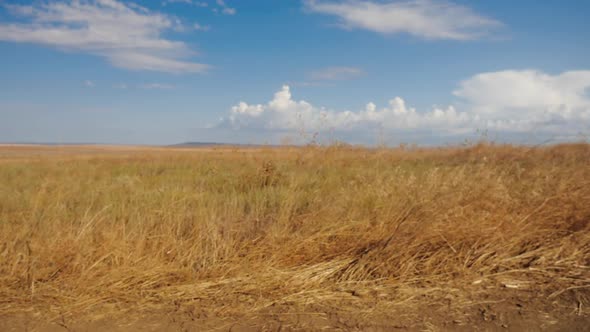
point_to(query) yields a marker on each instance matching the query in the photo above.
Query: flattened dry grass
(237, 232)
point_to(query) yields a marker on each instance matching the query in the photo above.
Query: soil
(513, 313)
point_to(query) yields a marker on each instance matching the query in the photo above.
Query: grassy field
(295, 238)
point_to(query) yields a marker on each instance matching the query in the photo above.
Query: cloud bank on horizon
(508, 101)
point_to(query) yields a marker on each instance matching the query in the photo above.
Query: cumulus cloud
(525, 90)
(431, 19)
(284, 113)
(336, 73)
(529, 99)
(128, 35)
(507, 101)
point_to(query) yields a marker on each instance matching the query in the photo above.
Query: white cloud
(128, 35)
(529, 99)
(507, 101)
(222, 6)
(229, 11)
(525, 90)
(199, 27)
(431, 19)
(336, 73)
(166, 2)
(89, 84)
(284, 113)
(225, 9)
(187, 2)
(158, 86)
(145, 86)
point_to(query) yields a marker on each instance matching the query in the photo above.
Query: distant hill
(214, 144)
(194, 144)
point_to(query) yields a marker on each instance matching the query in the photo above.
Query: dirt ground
(516, 312)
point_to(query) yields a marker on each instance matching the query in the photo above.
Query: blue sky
(415, 71)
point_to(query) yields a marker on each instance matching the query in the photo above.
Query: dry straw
(232, 233)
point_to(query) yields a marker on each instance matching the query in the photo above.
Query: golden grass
(233, 232)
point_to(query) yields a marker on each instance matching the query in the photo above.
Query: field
(342, 238)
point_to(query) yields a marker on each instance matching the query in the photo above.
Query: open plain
(481, 237)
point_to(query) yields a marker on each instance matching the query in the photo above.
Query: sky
(431, 72)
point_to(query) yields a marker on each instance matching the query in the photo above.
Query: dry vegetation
(338, 237)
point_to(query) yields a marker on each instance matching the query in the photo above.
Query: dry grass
(235, 233)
